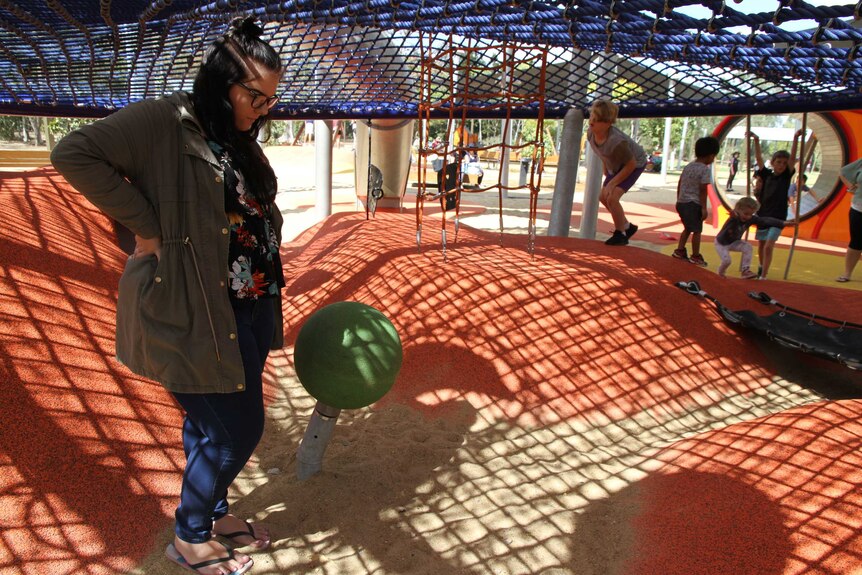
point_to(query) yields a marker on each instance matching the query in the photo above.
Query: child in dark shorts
(691, 192)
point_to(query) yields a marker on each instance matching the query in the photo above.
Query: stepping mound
(535, 392)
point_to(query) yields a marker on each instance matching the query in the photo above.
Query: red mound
(90, 455)
(781, 494)
(579, 330)
(91, 461)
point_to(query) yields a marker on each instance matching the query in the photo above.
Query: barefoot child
(729, 239)
(691, 194)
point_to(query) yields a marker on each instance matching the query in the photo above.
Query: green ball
(347, 355)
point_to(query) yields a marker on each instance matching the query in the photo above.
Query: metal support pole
(567, 175)
(747, 159)
(799, 184)
(665, 146)
(323, 168)
(309, 458)
(504, 162)
(592, 191)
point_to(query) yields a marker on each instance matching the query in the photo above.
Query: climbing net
(361, 58)
(503, 77)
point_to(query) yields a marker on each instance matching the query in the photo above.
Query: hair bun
(246, 27)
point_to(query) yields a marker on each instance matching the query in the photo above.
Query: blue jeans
(221, 430)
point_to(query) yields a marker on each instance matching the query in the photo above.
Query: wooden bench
(551, 161)
(25, 158)
(490, 157)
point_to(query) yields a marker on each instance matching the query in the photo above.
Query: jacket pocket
(168, 330)
(165, 300)
(135, 283)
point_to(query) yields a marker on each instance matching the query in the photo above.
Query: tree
(61, 126)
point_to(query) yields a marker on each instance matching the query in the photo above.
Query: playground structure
(468, 69)
(833, 339)
(532, 382)
(836, 136)
(350, 60)
(347, 356)
(369, 63)
(504, 395)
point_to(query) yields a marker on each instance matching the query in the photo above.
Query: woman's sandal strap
(249, 533)
(230, 555)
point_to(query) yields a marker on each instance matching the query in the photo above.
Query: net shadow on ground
(535, 393)
(535, 389)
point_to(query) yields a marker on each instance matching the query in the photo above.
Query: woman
(851, 175)
(732, 169)
(199, 297)
(623, 160)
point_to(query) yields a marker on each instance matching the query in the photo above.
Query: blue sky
(757, 6)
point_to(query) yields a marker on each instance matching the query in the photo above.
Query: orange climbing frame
(450, 83)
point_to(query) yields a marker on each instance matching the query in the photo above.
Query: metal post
(323, 168)
(504, 163)
(665, 147)
(799, 175)
(747, 159)
(592, 191)
(567, 175)
(309, 457)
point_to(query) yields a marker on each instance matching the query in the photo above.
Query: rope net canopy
(362, 58)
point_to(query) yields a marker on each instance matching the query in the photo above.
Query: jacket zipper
(188, 242)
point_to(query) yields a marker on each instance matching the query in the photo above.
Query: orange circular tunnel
(839, 134)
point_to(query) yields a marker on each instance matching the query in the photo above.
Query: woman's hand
(147, 246)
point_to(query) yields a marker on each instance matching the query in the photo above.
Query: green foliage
(61, 126)
(274, 131)
(437, 129)
(10, 128)
(621, 90)
(625, 89)
(528, 134)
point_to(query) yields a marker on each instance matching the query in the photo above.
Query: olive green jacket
(149, 167)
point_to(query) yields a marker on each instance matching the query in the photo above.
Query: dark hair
(226, 63)
(706, 146)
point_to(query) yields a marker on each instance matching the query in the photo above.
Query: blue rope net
(362, 59)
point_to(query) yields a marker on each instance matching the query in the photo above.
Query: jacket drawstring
(188, 242)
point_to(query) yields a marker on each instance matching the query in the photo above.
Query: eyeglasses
(259, 100)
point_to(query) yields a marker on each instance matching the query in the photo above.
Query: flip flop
(257, 543)
(842, 279)
(175, 556)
